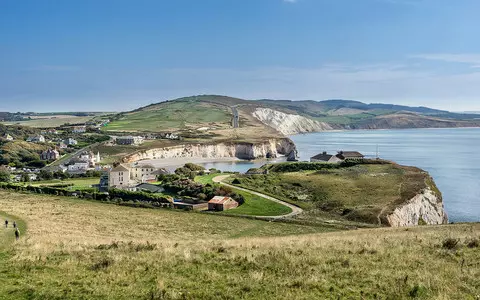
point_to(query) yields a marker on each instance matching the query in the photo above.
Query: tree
(25, 178)
(4, 175)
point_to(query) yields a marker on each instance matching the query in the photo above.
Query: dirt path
(295, 209)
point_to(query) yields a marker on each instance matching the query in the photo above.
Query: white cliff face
(270, 148)
(288, 124)
(426, 206)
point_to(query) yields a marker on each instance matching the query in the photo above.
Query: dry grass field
(51, 121)
(77, 249)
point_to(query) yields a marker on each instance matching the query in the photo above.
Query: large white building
(129, 140)
(142, 173)
(119, 177)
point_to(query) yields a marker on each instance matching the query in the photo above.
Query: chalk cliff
(424, 208)
(267, 149)
(289, 124)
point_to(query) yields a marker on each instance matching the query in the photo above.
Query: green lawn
(78, 183)
(258, 206)
(205, 179)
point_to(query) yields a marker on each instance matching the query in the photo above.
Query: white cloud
(473, 59)
(128, 89)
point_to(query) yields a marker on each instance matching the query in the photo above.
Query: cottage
(343, 155)
(70, 142)
(325, 157)
(129, 140)
(119, 177)
(78, 167)
(62, 145)
(79, 129)
(88, 156)
(221, 203)
(50, 155)
(36, 139)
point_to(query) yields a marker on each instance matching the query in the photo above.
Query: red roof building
(221, 203)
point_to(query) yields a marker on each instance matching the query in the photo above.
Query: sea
(451, 156)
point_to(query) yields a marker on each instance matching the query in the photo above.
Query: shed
(221, 203)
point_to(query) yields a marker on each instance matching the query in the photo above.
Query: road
(295, 209)
(235, 120)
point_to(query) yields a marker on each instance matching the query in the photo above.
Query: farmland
(80, 249)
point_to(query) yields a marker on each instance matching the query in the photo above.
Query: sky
(113, 55)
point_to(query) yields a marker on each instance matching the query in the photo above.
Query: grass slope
(357, 193)
(172, 116)
(85, 250)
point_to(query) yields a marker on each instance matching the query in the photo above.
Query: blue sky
(111, 55)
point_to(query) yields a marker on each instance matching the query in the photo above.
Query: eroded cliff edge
(425, 208)
(242, 150)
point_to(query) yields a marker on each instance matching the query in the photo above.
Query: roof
(322, 156)
(150, 187)
(119, 168)
(145, 166)
(349, 154)
(220, 200)
(161, 171)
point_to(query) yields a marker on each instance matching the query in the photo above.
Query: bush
(450, 243)
(140, 196)
(473, 243)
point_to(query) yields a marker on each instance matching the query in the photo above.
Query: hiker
(6, 223)
(14, 224)
(17, 234)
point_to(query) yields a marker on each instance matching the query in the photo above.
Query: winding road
(295, 209)
(235, 119)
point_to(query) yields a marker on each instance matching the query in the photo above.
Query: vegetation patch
(354, 191)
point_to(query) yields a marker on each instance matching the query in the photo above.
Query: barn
(221, 203)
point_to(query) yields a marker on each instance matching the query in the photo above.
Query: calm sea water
(451, 156)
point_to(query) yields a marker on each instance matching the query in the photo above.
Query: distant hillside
(213, 116)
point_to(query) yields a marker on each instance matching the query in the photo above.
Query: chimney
(324, 153)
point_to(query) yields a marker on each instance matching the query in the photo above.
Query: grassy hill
(76, 249)
(214, 114)
(361, 193)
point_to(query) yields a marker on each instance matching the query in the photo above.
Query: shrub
(450, 243)
(473, 243)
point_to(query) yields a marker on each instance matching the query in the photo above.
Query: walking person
(6, 223)
(14, 224)
(17, 233)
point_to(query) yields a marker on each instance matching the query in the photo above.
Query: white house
(119, 177)
(142, 173)
(70, 141)
(36, 139)
(79, 129)
(78, 167)
(9, 137)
